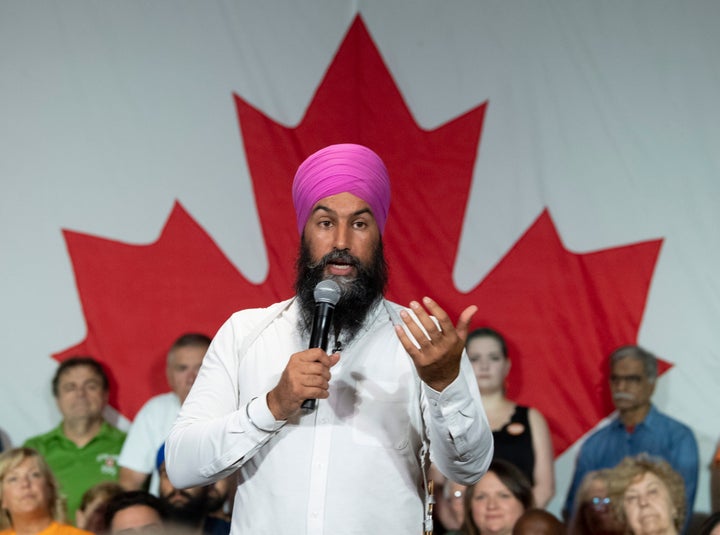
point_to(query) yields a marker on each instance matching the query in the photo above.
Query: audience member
(711, 525)
(135, 511)
(449, 508)
(453, 498)
(154, 420)
(536, 521)
(30, 497)
(83, 449)
(5, 442)
(187, 509)
(638, 426)
(91, 513)
(220, 500)
(593, 513)
(520, 433)
(494, 504)
(648, 496)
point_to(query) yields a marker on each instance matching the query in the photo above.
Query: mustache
(623, 396)
(179, 493)
(334, 257)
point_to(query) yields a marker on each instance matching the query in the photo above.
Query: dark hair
(191, 340)
(710, 522)
(510, 476)
(74, 362)
(129, 499)
(531, 517)
(648, 360)
(487, 332)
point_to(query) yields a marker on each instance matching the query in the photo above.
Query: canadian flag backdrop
(556, 163)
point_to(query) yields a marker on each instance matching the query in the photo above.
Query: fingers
(306, 376)
(463, 323)
(432, 331)
(437, 359)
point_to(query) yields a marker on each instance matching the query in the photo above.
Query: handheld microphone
(327, 293)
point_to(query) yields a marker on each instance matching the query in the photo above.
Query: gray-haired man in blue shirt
(638, 427)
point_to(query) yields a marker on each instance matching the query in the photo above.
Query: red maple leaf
(562, 312)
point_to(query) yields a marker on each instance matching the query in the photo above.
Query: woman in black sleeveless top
(521, 433)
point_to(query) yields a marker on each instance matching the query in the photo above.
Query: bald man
(395, 389)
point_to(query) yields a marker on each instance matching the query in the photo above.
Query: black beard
(359, 294)
(191, 513)
(215, 501)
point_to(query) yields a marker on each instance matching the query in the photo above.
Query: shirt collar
(649, 421)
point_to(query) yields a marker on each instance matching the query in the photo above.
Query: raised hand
(306, 376)
(437, 360)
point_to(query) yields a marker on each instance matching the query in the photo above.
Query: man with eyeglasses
(637, 427)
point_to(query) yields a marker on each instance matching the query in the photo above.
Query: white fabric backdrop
(604, 112)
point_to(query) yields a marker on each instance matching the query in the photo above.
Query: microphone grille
(327, 291)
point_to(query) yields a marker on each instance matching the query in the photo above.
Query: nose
(342, 236)
(491, 502)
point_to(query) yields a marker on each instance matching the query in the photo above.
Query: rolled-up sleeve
(461, 443)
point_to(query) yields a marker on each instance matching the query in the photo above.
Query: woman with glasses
(593, 513)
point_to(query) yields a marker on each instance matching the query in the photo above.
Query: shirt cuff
(454, 394)
(261, 417)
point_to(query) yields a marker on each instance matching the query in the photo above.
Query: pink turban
(344, 168)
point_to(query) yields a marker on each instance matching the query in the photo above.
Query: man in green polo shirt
(83, 449)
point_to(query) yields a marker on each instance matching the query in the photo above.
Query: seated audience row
(33, 505)
(642, 495)
(521, 435)
(85, 449)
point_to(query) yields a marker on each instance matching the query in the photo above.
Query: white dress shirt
(355, 463)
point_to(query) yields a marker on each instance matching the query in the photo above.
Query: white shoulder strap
(425, 448)
(272, 312)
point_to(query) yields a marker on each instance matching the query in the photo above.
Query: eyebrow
(331, 211)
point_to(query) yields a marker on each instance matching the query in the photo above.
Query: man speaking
(395, 392)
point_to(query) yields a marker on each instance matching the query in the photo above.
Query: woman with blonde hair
(648, 496)
(31, 502)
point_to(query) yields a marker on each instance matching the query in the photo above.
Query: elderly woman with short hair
(648, 495)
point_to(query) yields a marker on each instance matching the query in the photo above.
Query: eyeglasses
(599, 503)
(632, 380)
